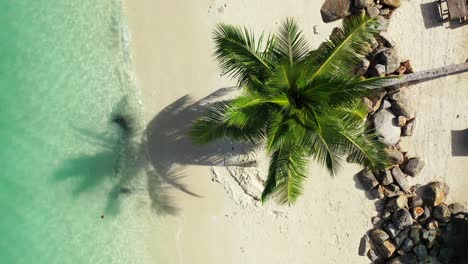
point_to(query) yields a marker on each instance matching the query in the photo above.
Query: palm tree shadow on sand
(164, 150)
(168, 146)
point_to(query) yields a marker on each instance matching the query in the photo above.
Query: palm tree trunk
(427, 75)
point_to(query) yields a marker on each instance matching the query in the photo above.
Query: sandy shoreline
(172, 51)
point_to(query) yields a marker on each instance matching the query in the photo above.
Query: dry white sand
(217, 221)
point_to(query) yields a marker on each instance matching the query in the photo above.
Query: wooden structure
(453, 9)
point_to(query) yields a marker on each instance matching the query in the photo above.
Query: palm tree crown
(301, 102)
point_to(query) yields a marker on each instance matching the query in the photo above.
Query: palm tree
(300, 102)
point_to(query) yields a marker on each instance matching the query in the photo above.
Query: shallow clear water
(63, 75)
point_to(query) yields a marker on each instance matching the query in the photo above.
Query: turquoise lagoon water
(63, 77)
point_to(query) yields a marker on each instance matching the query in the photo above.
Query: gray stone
(429, 260)
(397, 203)
(363, 67)
(390, 59)
(420, 251)
(386, 104)
(407, 130)
(456, 208)
(373, 11)
(388, 132)
(427, 213)
(367, 179)
(333, 10)
(377, 192)
(392, 3)
(401, 121)
(400, 178)
(402, 105)
(384, 11)
(394, 155)
(378, 236)
(387, 215)
(435, 193)
(383, 23)
(407, 258)
(387, 40)
(402, 219)
(415, 201)
(441, 213)
(377, 70)
(414, 166)
(407, 245)
(392, 190)
(415, 234)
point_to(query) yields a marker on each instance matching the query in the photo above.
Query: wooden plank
(457, 8)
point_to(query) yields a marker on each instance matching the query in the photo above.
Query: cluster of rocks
(333, 10)
(414, 227)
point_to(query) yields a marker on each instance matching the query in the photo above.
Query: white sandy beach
(216, 221)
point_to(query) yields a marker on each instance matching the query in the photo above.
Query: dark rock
(376, 221)
(391, 229)
(414, 166)
(407, 258)
(446, 255)
(430, 237)
(402, 105)
(389, 58)
(394, 155)
(378, 236)
(377, 192)
(434, 251)
(386, 249)
(372, 255)
(392, 3)
(377, 70)
(434, 193)
(364, 246)
(456, 208)
(441, 213)
(420, 251)
(429, 260)
(415, 234)
(427, 213)
(386, 215)
(401, 237)
(385, 177)
(333, 10)
(396, 203)
(407, 130)
(415, 201)
(407, 245)
(360, 4)
(367, 179)
(400, 178)
(392, 190)
(402, 219)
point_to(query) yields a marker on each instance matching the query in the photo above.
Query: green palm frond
(240, 55)
(345, 49)
(291, 46)
(286, 174)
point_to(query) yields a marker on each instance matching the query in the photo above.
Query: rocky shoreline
(413, 223)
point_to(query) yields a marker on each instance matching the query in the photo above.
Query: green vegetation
(300, 102)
